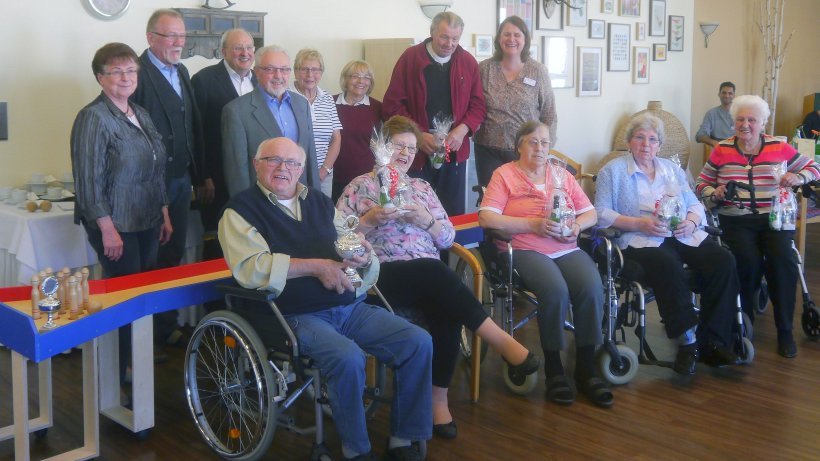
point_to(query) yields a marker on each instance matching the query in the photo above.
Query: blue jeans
(337, 340)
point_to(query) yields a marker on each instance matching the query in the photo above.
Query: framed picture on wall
(483, 45)
(589, 71)
(657, 18)
(617, 56)
(597, 28)
(577, 13)
(640, 58)
(521, 8)
(630, 8)
(659, 51)
(559, 59)
(640, 31)
(675, 33)
(607, 6)
(549, 15)
(535, 52)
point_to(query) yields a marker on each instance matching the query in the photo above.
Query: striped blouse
(727, 163)
(325, 122)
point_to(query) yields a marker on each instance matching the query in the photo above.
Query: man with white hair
(269, 111)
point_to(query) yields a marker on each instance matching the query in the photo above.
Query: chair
(807, 214)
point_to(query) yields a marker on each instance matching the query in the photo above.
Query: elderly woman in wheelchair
(649, 200)
(518, 202)
(407, 240)
(748, 160)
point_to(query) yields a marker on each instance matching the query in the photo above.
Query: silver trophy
(50, 305)
(349, 245)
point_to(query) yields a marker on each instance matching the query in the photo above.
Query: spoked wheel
(370, 403)
(522, 386)
(811, 321)
(465, 274)
(611, 371)
(230, 386)
(745, 351)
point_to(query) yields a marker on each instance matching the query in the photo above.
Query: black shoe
(446, 430)
(408, 453)
(717, 356)
(597, 390)
(786, 346)
(686, 359)
(560, 391)
(369, 456)
(518, 373)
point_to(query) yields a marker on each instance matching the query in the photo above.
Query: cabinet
(382, 55)
(205, 27)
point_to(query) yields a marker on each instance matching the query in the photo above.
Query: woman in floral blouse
(407, 240)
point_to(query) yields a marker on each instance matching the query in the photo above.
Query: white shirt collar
(340, 100)
(436, 57)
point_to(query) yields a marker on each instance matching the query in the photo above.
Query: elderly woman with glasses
(407, 241)
(631, 195)
(309, 67)
(749, 157)
(359, 114)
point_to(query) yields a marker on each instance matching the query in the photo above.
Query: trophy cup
(349, 245)
(50, 304)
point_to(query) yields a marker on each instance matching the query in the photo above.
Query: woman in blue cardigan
(649, 200)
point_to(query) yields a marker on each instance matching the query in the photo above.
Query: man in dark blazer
(164, 90)
(215, 86)
(269, 111)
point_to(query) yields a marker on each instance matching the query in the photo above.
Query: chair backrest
(572, 166)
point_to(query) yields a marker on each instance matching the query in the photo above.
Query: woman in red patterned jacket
(750, 157)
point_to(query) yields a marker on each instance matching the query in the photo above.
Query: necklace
(128, 112)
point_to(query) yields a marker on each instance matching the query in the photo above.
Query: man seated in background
(717, 124)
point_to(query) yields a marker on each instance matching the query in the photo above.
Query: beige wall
(735, 54)
(46, 75)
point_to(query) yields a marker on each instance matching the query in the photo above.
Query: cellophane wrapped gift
(669, 207)
(440, 128)
(560, 208)
(783, 215)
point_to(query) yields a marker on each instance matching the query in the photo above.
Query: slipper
(597, 390)
(559, 390)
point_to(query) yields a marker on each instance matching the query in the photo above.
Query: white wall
(48, 45)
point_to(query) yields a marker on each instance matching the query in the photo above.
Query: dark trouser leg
(781, 274)
(744, 234)
(487, 159)
(449, 182)
(717, 278)
(663, 272)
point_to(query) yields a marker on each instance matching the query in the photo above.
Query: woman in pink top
(518, 202)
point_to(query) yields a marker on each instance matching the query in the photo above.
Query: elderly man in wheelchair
(278, 236)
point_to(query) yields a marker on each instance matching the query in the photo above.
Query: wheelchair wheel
(370, 403)
(609, 369)
(748, 327)
(465, 274)
(811, 321)
(745, 351)
(762, 297)
(524, 387)
(230, 387)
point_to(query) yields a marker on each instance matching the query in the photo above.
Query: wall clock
(108, 9)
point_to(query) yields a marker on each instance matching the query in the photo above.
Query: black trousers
(760, 251)
(449, 182)
(487, 159)
(430, 286)
(714, 267)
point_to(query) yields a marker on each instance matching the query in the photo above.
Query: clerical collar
(436, 57)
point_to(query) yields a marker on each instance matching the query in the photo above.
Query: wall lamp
(431, 8)
(708, 28)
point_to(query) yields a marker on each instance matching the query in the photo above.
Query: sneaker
(518, 373)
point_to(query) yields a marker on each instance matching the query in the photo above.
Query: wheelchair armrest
(496, 234)
(713, 231)
(246, 293)
(608, 232)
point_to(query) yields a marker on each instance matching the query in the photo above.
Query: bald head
(237, 49)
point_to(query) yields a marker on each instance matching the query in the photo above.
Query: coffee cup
(54, 192)
(38, 188)
(38, 178)
(5, 193)
(69, 186)
(18, 195)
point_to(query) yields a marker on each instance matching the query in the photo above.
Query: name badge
(529, 81)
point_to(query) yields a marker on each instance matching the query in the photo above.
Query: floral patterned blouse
(398, 240)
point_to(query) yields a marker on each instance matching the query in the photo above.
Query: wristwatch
(329, 170)
(431, 224)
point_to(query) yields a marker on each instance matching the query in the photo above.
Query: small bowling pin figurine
(72, 298)
(35, 297)
(85, 290)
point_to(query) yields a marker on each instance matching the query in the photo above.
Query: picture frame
(577, 14)
(657, 18)
(676, 33)
(629, 8)
(659, 51)
(597, 28)
(535, 52)
(618, 43)
(640, 64)
(559, 57)
(525, 9)
(549, 15)
(607, 6)
(589, 71)
(640, 31)
(483, 44)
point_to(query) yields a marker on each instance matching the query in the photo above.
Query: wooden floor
(767, 411)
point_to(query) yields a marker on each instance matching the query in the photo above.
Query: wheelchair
(243, 373)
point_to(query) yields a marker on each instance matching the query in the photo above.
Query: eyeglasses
(239, 49)
(362, 78)
(534, 143)
(310, 70)
(290, 164)
(118, 73)
(271, 70)
(172, 37)
(410, 149)
(652, 141)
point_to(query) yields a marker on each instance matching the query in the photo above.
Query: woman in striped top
(327, 128)
(749, 157)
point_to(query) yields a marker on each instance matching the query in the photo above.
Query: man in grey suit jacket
(269, 111)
